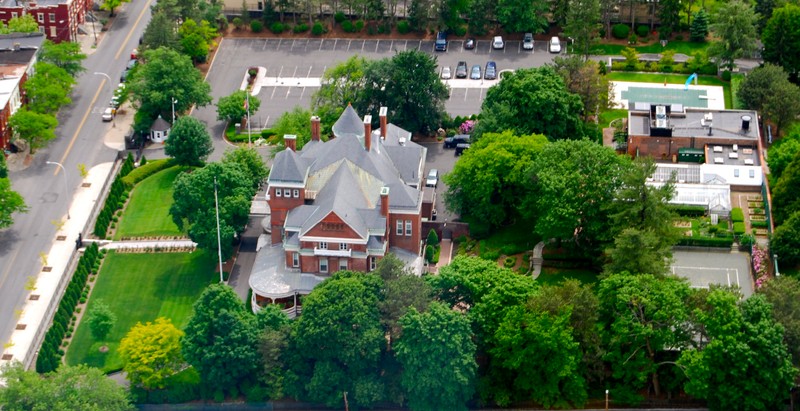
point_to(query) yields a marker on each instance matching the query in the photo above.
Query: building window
(40, 17)
(261, 5)
(295, 260)
(323, 265)
(14, 14)
(408, 227)
(342, 264)
(53, 31)
(373, 263)
(41, 29)
(752, 173)
(287, 192)
(296, 193)
(323, 245)
(736, 172)
(52, 17)
(278, 192)
(343, 246)
(399, 227)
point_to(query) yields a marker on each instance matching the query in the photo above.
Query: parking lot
(309, 58)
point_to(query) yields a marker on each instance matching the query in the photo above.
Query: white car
(497, 43)
(527, 41)
(446, 75)
(108, 114)
(433, 178)
(555, 45)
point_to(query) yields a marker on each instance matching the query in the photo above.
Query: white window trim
(52, 17)
(323, 245)
(323, 261)
(343, 246)
(399, 227)
(409, 228)
(296, 193)
(295, 259)
(40, 17)
(373, 263)
(278, 192)
(342, 264)
(287, 192)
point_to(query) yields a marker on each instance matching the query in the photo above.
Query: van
(441, 41)
(452, 142)
(461, 148)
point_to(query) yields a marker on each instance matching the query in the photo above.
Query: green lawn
(140, 288)
(682, 47)
(147, 213)
(554, 276)
(674, 79)
(611, 114)
(509, 240)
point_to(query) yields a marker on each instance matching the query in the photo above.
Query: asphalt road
(309, 58)
(79, 140)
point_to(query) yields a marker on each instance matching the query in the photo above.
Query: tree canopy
(78, 388)
(781, 38)
(520, 16)
(189, 143)
(10, 202)
(532, 101)
(66, 55)
(232, 108)
(734, 23)
(783, 293)
(151, 353)
(160, 32)
(48, 89)
(782, 152)
(583, 78)
(112, 5)
(35, 128)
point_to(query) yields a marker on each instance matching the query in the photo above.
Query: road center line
(80, 126)
(130, 33)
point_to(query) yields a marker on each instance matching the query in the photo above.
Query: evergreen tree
(699, 28)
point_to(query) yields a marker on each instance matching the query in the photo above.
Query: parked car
(475, 74)
(433, 178)
(131, 63)
(555, 45)
(124, 75)
(461, 148)
(134, 54)
(108, 114)
(452, 142)
(491, 71)
(446, 74)
(469, 44)
(527, 41)
(498, 43)
(441, 41)
(461, 69)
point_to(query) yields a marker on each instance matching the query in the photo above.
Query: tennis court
(703, 268)
(696, 96)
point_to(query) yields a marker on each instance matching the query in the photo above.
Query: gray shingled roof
(288, 167)
(160, 125)
(349, 124)
(270, 277)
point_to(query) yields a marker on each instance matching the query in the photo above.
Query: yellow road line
(80, 126)
(130, 33)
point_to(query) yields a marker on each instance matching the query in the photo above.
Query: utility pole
(219, 242)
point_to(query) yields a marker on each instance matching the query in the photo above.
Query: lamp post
(174, 100)
(775, 257)
(114, 115)
(66, 200)
(606, 400)
(219, 242)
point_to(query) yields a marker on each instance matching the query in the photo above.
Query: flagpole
(247, 111)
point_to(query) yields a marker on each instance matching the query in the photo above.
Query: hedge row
(689, 210)
(50, 354)
(721, 242)
(656, 67)
(737, 215)
(738, 228)
(115, 200)
(758, 223)
(146, 170)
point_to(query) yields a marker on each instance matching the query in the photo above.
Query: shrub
(276, 27)
(758, 223)
(738, 228)
(433, 238)
(737, 215)
(359, 25)
(642, 31)
(300, 28)
(347, 26)
(509, 262)
(721, 242)
(490, 255)
(726, 75)
(237, 22)
(633, 39)
(689, 210)
(339, 17)
(146, 170)
(460, 31)
(317, 30)
(257, 26)
(403, 27)
(429, 252)
(620, 31)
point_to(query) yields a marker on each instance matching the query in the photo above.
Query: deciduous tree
(582, 77)
(197, 39)
(490, 183)
(782, 152)
(783, 293)
(160, 32)
(786, 240)
(232, 108)
(112, 5)
(745, 348)
(221, 337)
(438, 359)
(781, 38)
(783, 107)
(532, 101)
(759, 84)
(785, 201)
(151, 353)
(35, 128)
(734, 24)
(49, 88)
(189, 143)
(66, 55)
(296, 122)
(78, 388)
(101, 320)
(582, 24)
(518, 16)
(22, 24)
(251, 161)
(10, 202)
(342, 84)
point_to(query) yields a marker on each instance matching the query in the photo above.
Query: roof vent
(401, 141)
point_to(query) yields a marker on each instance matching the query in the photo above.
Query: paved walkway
(537, 260)
(445, 253)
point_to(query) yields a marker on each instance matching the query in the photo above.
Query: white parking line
(272, 97)
(280, 72)
(349, 42)
(391, 45)
(419, 46)
(320, 44)
(363, 43)
(309, 71)
(266, 122)
(295, 72)
(335, 42)
(466, 93)
(288, 91)
(264, 47)
(406, 46)
(303, 92)
(376, 45)
(293, 41)
(279, 44)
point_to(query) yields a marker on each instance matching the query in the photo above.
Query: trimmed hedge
(318, 29)
(146, 170)
(758, 223)
(689, 210)
(721, 242)
(403, 27)
(50, 353)
(737, 215)
(620, 31)
(115, 200)
(738, 228)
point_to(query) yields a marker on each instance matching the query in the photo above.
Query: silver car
(446, 74)
(433, 178)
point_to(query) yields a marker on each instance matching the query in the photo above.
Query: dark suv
(461, 69)
(452, 142)
(441, 41)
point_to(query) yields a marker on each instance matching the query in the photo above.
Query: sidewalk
(45, 290)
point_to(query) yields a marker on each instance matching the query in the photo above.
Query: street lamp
(219, 243)
(775, 257)
(66, 200)
(606, 400)
(174, 100)
(114, 115)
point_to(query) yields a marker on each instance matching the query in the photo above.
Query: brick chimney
(290, 141)
(368, 132)
(315, 134)
(385, 201)
(382, 114)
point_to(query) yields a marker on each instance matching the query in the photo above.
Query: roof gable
(288, 167)
(349, 124)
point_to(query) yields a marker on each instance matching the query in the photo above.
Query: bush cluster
(318, 29)
(300, 28)
(403, 27)
(689, 210)
(620, 31)
(737, 215)
(656, 67)
(146, 170)
(350, 27)
(642, 31)
(276, 27)
(721, 242)
(115, 200)
(339, 17)
(257, 26)
(738, 228)
(758, 223)
(50, 354)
